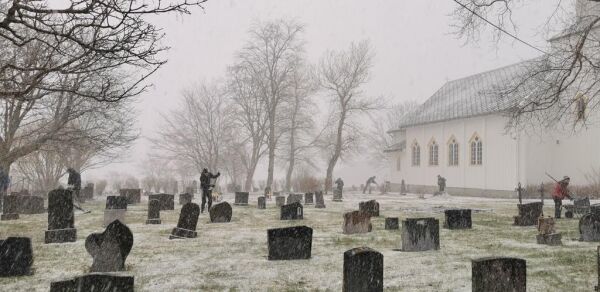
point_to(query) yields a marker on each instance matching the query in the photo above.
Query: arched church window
(433, 153)
(416, 154)
(476, 150)
(452, 152)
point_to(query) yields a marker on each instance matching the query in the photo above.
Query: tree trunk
(271, 153)
(336, 152)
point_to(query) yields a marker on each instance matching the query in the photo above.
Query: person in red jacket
(561, 191)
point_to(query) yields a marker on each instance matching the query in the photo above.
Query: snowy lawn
(232, 256)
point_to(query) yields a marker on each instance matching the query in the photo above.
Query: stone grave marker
(319, 200)
(188, 220)
(294, 198)
(16, 257)
(547, 233)
(528, 214)
(61, 219)
(293, 211)
(457, 219)
(499, 274)
(153, 212)
(30, 205)
(116, 202)
(185, 198)
(116, 209)
(98, 282)
(290, 243)
(134, 196)
(110, 248)
(309, 198)
(420, 234)
(357, 222)
(241, 198)
(279, 201)
(220, 213)
(88, 191)
(262, 203)
(167, 201)
(392, 223)
(337, 195)
(589, 227)
(10, 208)
(371, 207)
(363, 270)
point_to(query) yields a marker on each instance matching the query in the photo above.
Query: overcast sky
(415, 53)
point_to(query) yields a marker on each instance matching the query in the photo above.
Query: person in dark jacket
(561, 191)
(206, 186)
(370, 181)
(74, 184)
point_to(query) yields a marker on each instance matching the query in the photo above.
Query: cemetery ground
(233, 256)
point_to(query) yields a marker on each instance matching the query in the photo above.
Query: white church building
(461, 134)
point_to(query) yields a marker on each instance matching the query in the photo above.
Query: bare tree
(341, 75)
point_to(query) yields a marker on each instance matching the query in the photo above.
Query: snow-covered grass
(232, 256)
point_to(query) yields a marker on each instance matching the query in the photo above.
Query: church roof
(466, 97)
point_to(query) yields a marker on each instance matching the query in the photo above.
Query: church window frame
(453, 152)
(416, 154)
(476, 150)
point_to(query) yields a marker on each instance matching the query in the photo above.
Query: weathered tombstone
(116, 209)
(167, 201)
(499, 274)
(31, 205)
(61, 220)
(420, 234)
(293, 211)
(392, 223)
(458, 219)
(357, 222)
(279, 201)
(10, 208)
(262, 203)
(241, 198)
(291, 243)
(371, 207)
(88, 192)
(220, 213)
(528, 214)
(363, 270)
(309, 199)
(546, 232)
(185, 198)
(188, 219)
(276, 194)
(337, 195)
(16, 257)
(319, 200)
(134, 196)
(97, 282)
(589, 227)
(403, 189)
(153, 212)
(294, 198)
(110, 248)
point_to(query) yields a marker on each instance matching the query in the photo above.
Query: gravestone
(95, 282)
(371, 207)
(458, 219)
(279, 201)
(61, 219)
(276, 194)
(309, 198)
(547, 233)
(403, 189)
(110, 248)
(528, 214)
(293, 211)
(153, 212)
(337, 195)
(319, 200)
(88, 192)
(499, 274)
(30, 205)
(294, 198)
(357, 222)
(241, 198)
(262, 203)
(290, 243)
(589, 227)
(220, 213)
(134, 196)
(116, 209)
(167, 201)
(188, 219)
(10, 208)
(420, 234)
(16, 257)
(392, 223)
(185, 198)
(363, 270)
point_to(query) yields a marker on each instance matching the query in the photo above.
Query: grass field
(232, 256)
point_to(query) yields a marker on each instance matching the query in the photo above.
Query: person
(561, 191)
(370, 181)
(206, 186)
(441, 183)
(74, 184)
(339, 184)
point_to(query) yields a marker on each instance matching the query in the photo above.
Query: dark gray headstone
(363, 270)
(88, 191)
(528, 214)
(188, 219)
(61, 220)
(294, 198)
(337, 195)
(116, 202)
(262, 203)
(371, 207)
(279, 201)
(110, 248)
(499, 274)
(31, 205)
(319, 200)
(309, 198)
(293, 211)
(357, 222)
(16, 257)
(95, 282)
(10, 208)
(134, 196)
(220, 213)
(420, 234)
(291, 243)
(153, 212)
(458, 219)
(167, 201)
(589, 227)
(392, 223)
(185, 198)
(241, 198)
